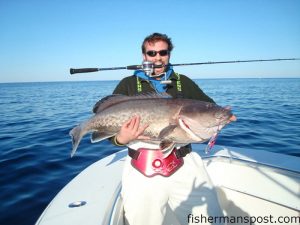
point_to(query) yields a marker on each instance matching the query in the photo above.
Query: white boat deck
(249, 183)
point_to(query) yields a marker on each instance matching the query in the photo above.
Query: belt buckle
(152, 162)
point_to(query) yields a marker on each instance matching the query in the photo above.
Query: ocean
(35, 119)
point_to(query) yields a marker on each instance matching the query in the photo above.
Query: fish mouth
(224, 122)
(232, 118)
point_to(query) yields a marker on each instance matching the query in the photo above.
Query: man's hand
(131, 130)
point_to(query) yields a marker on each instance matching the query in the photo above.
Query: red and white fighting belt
(151, 162)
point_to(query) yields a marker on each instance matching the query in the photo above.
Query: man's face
(158, 54)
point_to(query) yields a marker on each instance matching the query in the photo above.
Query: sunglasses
(153, 53)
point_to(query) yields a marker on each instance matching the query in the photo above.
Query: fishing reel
(148, 68)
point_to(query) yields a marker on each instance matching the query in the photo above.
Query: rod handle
(134, 67)
(83, 70)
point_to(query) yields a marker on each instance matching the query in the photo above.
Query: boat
(259, 185)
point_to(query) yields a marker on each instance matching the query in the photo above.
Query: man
(187, 190)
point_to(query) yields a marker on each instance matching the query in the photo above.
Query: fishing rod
(148, 66)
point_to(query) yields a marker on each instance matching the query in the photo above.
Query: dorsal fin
(117, 98)
(108, 101)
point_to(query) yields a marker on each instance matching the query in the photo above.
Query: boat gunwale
(269, 165)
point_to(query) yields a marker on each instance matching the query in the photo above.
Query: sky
(41, 40)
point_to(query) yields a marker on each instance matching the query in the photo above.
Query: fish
(172, 122)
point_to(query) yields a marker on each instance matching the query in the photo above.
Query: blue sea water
(35, 119)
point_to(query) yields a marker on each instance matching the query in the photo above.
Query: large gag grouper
(172, 121)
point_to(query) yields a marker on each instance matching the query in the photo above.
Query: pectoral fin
(100, 136)
(166, 131)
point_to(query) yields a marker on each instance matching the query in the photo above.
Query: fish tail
(76, 135)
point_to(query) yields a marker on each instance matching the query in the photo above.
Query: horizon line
(204, 78)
